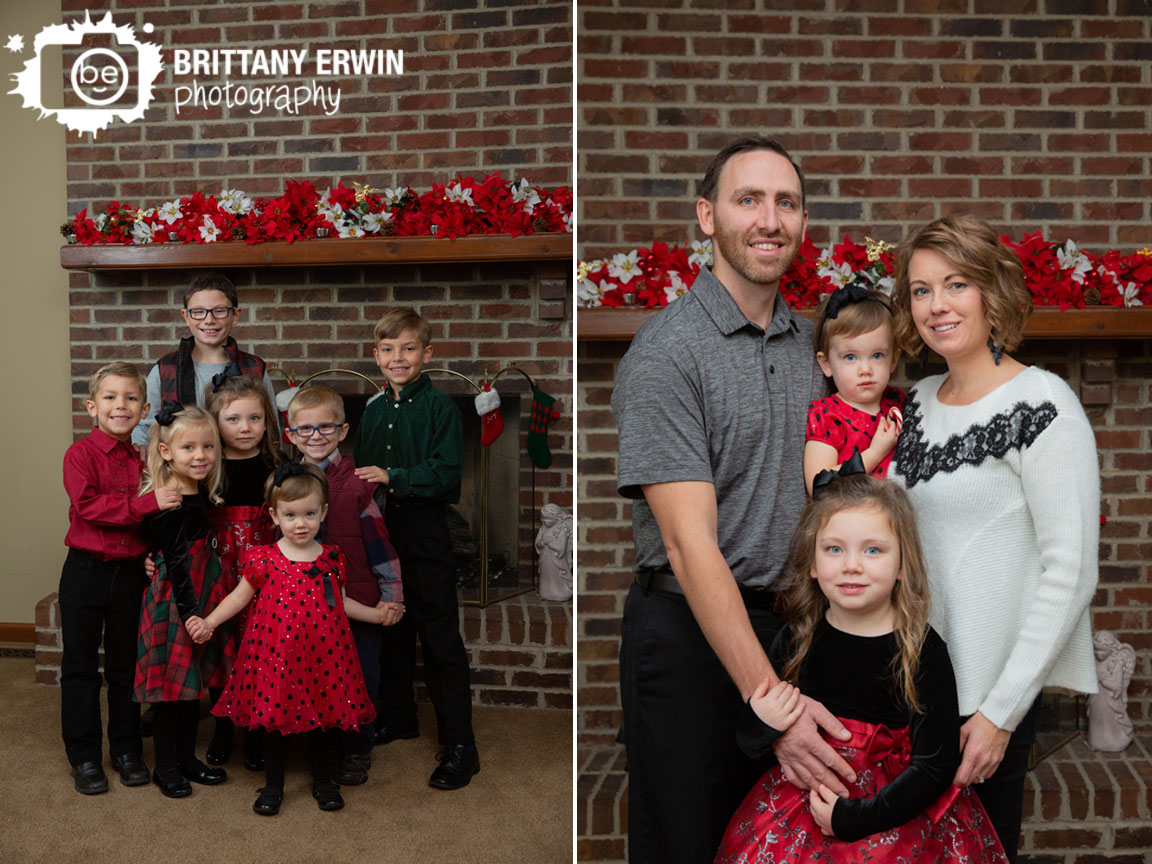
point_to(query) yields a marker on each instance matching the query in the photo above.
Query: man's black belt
(664, 582)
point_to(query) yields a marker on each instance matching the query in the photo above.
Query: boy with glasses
(316, 425)
(210, 310)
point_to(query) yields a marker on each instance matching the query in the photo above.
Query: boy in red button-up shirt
(103, 580)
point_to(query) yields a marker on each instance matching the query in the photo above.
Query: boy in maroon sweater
(354, 522)
(103, 580)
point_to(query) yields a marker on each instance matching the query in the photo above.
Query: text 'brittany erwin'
(256, 61)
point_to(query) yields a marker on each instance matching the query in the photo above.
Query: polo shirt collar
(724, 312)
(416, 387)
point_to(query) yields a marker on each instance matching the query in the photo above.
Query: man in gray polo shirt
(711, 401)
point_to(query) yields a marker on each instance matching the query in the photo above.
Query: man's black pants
(686, 776)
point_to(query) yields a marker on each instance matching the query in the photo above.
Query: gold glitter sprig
(582, 271)
(875, 248)
(363, 190)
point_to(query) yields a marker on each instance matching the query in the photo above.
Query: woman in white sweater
(1000, 462)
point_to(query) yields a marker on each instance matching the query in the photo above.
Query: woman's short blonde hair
(976, 251)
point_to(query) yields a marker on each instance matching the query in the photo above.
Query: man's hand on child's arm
(198, 629)
(169, 498)
(807, 759)
(390, 612)
(778, 707)
(822, 800)
(373, 474)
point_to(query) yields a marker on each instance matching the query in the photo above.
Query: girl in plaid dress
(172, 670)
(247, 424)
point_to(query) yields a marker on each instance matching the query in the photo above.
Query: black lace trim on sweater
(1014, 430)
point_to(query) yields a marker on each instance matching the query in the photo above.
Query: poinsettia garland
(1057, 274)
(461, 207)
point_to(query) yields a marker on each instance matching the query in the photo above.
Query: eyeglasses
(199, 313)
(324, 429)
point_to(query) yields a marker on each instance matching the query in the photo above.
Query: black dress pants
(99, 602)
(420, 536)
(1002, 794)
(686, 776)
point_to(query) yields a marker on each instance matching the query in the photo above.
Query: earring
(997, 350)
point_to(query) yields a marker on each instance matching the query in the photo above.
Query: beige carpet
(517, 809)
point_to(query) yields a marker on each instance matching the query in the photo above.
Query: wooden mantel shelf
(325, 252)
(1098, 322)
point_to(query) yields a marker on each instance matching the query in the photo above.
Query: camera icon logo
(112, 77)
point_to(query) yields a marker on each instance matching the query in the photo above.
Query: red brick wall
(1112, 380)
(1031, 113)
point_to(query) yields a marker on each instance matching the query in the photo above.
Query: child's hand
(822, 800)
(169, 498)
(779, 707)
(390, 612)
(373, 474)
(149, 566)
(198, 629)
(887, 431)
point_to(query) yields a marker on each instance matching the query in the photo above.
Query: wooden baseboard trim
(18, 633)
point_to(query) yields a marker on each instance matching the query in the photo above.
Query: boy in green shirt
(410, 441)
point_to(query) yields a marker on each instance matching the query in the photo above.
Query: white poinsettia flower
(1131, 295)
(1107, 275)
(459, 194)
(676, 288)
(392, 197)
(208, 231)
(624, 267)
(142, 233)
(701, 253)
(886, 285)
(234, 201)
(523, 193)
(838, 274)
(825, 257)
(593, 266)
(331, 211)
(170, 211)
(101, 220)
(591, 293)
(350, 230)
(1071, 257)
(373, 222)
(569, 222)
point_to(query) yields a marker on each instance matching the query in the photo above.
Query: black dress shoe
(328, 796)
(89, 778)
(172, 783)
(353, 770)
(131, 768)
(387, 734)
(254, 761)
(458, 762)
(269, 801)
(198, 772)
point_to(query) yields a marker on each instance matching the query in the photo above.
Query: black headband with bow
(854, 464)
(168, 412)
(288, 469)
(855, 291)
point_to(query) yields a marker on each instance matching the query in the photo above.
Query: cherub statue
(1109, 727)
(554, 546)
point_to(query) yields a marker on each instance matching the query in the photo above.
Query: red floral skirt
(775, 824)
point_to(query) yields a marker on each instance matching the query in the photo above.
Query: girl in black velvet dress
(859, 642)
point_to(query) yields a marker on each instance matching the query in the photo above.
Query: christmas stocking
(542, 414)
(488, 407)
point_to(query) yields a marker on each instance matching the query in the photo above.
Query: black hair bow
(854, 464)
(233, 371)
(168, 412)
(855, 291)
(288, 469)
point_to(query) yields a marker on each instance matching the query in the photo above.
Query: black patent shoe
(89, 778)
(327, 796)
(353, 770)
(388, 734)
(131, 768)
(458, 763)
(220, 745)
(172, 782)
(269, 801)
(198, 772)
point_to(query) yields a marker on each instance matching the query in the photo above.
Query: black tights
(320, 749)
(222, 734)
(174, 733)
